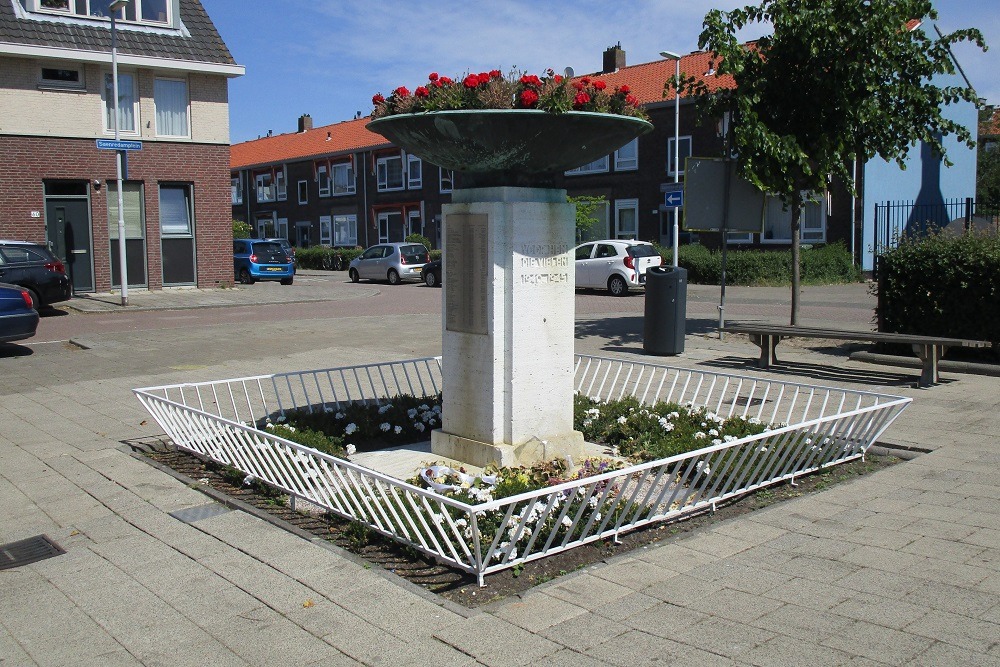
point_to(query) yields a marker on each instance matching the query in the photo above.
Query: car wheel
(287, 281)
(430, 279)
(393, 277)
(36, 301)
(246, 278)
(353, 274)
(617, 286)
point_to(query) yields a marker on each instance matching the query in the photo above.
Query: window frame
(670, 154)
(326, 230)
(281, 184)
(303, 191)
(269, 188)
(628, 164)
(236, 192)
(443, 178)
(382, 173)
(351, 183)
(108, 90)
(587, 169)
(411, 182)
(59, 84)
(188, 190)
(819, 205)
(323, 175)
(623, 205)
(130, 14)
(187, 108)
(351, 220)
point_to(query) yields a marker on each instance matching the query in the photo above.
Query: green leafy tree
(586, 207)
(836, 81)
(988, 168)
(241, 230)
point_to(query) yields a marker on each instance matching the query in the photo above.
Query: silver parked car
(394, 262)
(615, 265)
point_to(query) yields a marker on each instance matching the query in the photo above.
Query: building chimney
(614, 59)
(305, 123)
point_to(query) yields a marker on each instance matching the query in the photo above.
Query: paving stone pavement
(900, 567)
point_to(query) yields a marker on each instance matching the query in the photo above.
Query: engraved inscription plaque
(466, 259)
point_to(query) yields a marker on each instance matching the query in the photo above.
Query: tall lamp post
(670, 55)
(113, 9)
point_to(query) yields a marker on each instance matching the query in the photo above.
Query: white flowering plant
(370, 426)
(650, 432)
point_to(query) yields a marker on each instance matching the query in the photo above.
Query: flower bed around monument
(551, 507)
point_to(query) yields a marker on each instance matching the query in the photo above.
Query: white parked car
(615, 265)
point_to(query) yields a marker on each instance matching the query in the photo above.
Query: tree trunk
(796, 252)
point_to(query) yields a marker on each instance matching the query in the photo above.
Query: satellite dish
(569, 72)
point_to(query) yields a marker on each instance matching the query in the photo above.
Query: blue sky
(328, 57)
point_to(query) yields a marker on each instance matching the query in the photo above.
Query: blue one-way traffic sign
(674, 199)
(120, 145)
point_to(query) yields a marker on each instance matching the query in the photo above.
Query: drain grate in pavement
(33, 549)
(193, 514)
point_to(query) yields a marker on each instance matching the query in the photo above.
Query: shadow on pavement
(823, 373)
(14, 350)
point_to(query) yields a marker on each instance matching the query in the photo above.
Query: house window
(137, 11)
(345, 230)
(282, 228)
(281, 184)
(177, 247)
(303, 192)
(128, 110)
(685, 152)
(446, 180)
(175, 210)
(738, 238)
(170, 97)
(237, 193)
(778, 221)
(413, 224)
(61, 77)
(323, 178)
(265, 189)
(266, 228)
(342, 175)
(599, 229)
(626, 218)
(414, 172)
(627, 157)
(389, 173)
(325, 230)
(598, 166)
(134, 215)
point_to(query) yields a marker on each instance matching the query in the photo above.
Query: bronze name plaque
(467, 266)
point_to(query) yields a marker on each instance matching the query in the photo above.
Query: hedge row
(821, 265)
(942, 285)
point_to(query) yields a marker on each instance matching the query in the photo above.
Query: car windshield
(642, 251)
(413, 253)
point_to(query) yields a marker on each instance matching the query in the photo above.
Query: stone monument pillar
(508, 344)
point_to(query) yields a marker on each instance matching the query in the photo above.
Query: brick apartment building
(342, 185)
(55, 102)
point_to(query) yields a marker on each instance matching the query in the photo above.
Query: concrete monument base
(508, 339)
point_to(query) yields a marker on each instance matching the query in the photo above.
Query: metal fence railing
(815, 427)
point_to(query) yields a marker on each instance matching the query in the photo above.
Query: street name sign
(120, 145)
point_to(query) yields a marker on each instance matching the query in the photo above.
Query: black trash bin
(666, 310)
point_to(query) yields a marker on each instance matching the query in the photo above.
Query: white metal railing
(820, 426)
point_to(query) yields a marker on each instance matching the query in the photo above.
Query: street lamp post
(670, 55)
(113, 9)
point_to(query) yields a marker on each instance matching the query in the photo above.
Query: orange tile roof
(344, 137)
(647, 79)
(991, 126)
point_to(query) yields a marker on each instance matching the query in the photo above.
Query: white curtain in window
(175, 210)
(126, 102)
(132, 208)
(171, 99)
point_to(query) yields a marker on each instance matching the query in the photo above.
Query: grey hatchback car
(394, 262)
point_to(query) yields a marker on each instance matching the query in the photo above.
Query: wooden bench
(929, 349)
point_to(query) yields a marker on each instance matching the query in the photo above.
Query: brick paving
(900, 567)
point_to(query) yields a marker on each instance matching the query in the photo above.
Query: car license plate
(275, 268)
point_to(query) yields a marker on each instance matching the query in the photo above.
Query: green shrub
(942, 285)
(826, 264)
(241, 229)
(419, 238)
(321, 257)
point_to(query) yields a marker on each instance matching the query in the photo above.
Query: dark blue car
(256, 259)
(18, 317)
